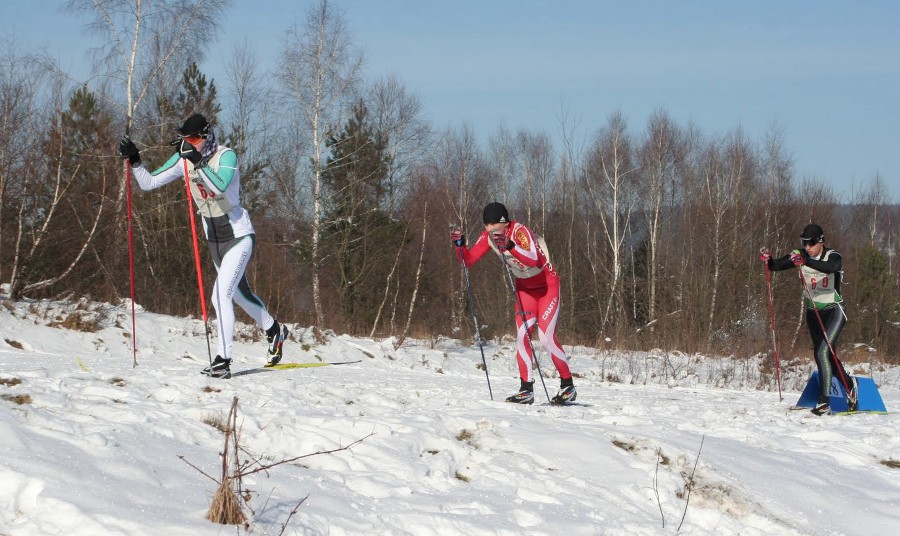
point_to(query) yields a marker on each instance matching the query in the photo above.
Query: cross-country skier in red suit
(537, 290)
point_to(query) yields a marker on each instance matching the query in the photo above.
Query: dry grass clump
(226, 507)
(215, 421)
(9, 382)
(15, 344)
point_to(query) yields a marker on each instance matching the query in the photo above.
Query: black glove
(189, 153)
(127, 149)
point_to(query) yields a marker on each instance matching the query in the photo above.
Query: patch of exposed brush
(84, 321)
(467, 436)
(627, 447)
(215, 421)
(17, 399)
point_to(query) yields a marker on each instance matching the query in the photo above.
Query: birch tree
(727, 170)
(20, 85)
(660, 156)
(66, 195)
(396, 113)
(319, 72)
(535, 155)
(778, 169)
(611, 186)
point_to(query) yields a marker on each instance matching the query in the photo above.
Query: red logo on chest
(521, 238)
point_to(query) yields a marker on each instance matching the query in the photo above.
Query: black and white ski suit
(216, 189)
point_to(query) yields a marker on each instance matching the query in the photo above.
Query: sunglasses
(193, 139)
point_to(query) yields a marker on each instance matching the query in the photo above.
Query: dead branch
(226, 507)
(656, 489)
(690, 484)
(290, 460)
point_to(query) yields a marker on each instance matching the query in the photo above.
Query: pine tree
(356, 176)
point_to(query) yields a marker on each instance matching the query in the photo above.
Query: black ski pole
(462, 261)
(521, 311)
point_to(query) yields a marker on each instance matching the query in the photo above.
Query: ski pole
(190, 200)
(834, 356)
(130, 217)
(521, 311)
(772, 326)
(471, 296)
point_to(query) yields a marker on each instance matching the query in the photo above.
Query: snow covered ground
(90, 445)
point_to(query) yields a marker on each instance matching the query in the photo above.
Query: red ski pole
(772, 329)
(834, 356)
(190, 201)
(131, 261)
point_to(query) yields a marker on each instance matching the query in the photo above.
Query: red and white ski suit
(537, 289)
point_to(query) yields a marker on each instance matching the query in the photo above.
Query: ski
(842, 413)
(288, 366)
(285, 366)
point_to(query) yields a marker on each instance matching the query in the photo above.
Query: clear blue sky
(826, 72)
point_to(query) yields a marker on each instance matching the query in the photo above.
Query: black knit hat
(194, 125)
(813, 233)
(495, 213)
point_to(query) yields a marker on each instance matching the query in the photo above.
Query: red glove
(501, 241)
(457, 236)
(797, 258)
(764, 255)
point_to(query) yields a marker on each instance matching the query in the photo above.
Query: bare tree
(727, 168)
(567, 201)
(144, 37)
(460, 172)
(77, 189)
(397, 114)
(778, 175)
(21, 82)
(660, 157)
(611, 186)
(502, 147)
(536, 162)
(319, 73)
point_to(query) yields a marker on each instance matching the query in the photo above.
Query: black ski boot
(220, 368)
(525, 394)
(276, 336)
(853, 395)
(566, 393)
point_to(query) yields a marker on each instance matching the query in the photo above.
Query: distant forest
(654, 228)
